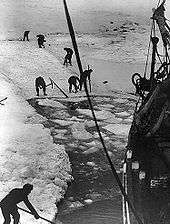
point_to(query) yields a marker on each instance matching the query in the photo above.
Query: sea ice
(100, 115)
(63, 122)
(122, 114)
(118, 129)
(88, 201)
(51, 103)
(91, 150)
(119, 100)
(79, 132)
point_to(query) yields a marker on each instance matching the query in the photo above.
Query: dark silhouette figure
(73, 81)
(83, 78)
(68, 57)
(40, 84)
(41, 40)
(26, 35)
(9, 203)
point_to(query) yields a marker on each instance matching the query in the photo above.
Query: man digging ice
(9, 203)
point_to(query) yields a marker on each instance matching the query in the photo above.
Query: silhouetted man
(68, 56)
(73, 81)
(26, 35)
(40, 84)
(41, 40)
(9, 203)
(83, 78)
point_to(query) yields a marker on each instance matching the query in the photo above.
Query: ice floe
(119, 100)
(88, 201)
(51, 103)
(118, 129)
(91, 150)
(122, 114)
(79, 132)
(63, 122)
(100, 115)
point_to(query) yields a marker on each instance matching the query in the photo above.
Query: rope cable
(147, 58)
(158, 56)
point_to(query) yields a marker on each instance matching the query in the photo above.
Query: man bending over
(9, 203)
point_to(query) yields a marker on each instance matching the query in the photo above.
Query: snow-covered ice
(79, 132)
(118, 129)
(28, 154)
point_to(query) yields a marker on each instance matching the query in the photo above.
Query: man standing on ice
(9, 203)
(26, 35)
(83, 78)
(68, 56)
(41, 40)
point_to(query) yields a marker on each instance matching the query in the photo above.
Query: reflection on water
(100, 212)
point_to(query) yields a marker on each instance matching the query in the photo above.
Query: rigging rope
(72, 34)
(157, 53)
(152, 28)
(147, 58)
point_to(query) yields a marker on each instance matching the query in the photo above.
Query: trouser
(75, 87)
(41, 43)
(6, 212)
(44, 90)
(82, 83)
(67, 59)
(25, 37)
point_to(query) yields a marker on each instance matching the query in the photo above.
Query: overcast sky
(128, 5)
(48, 15)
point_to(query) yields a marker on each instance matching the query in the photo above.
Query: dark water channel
(93, 196)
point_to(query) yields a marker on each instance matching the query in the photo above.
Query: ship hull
(147, 160)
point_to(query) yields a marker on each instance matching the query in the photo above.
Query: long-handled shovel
(3, 100)
(89, 80)
(54, 84)
(39, 216)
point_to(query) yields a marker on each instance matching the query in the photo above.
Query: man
(73, 81)
(41, 40)
(26, 35)
(68, 56)
(9, 203)
(40, 84)
(83, 78)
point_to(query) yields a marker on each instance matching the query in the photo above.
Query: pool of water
(93, 196)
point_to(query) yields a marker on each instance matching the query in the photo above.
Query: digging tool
(53, 83)
(89, 79)
(3, 100)
(32, 214)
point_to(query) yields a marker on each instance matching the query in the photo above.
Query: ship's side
(147, 161)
